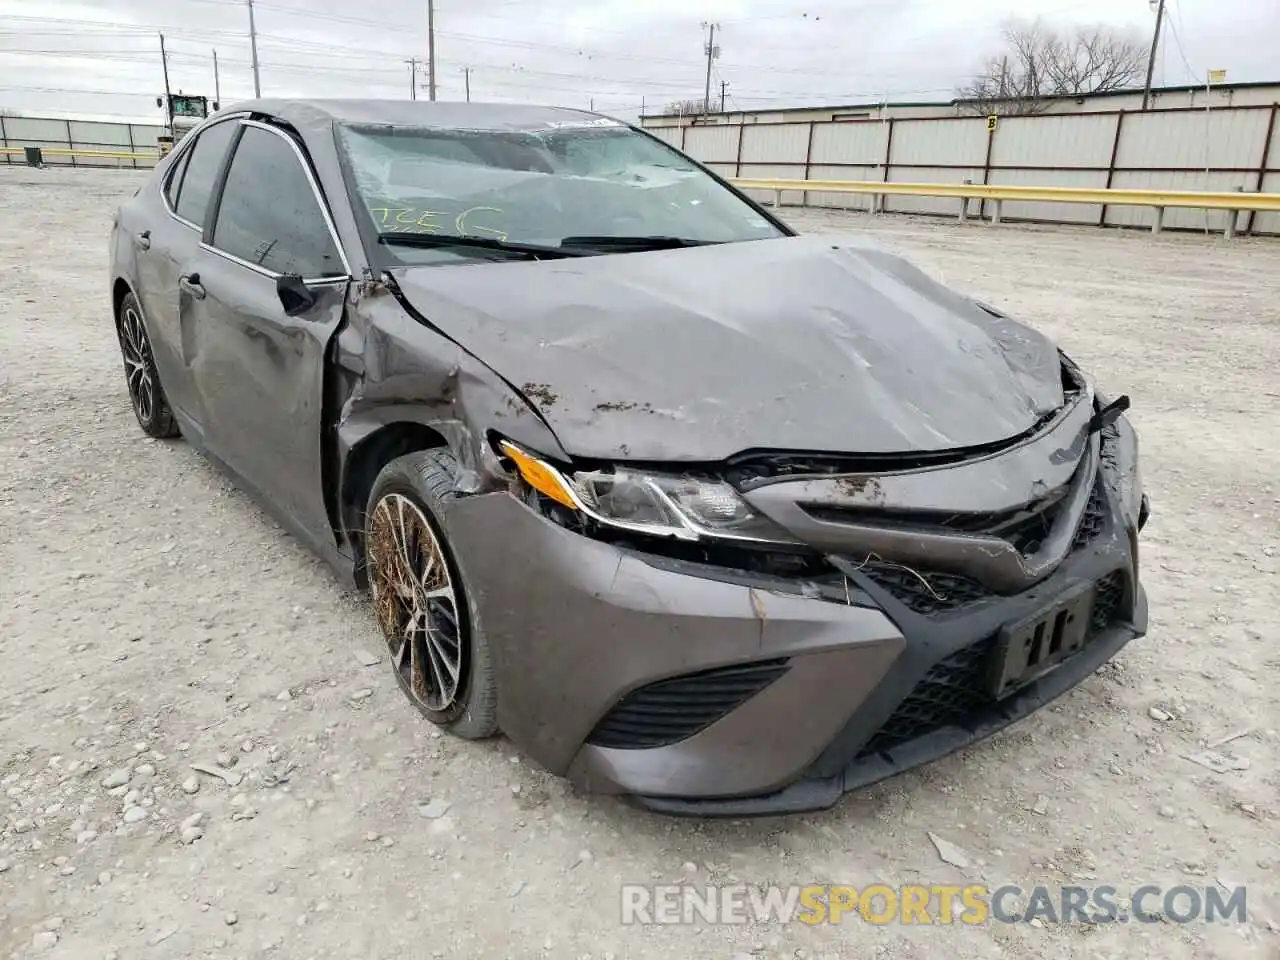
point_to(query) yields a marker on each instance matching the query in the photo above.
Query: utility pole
(1151, 59)
(431, 48)
(466, 72)
(413, 77)
(253, 49)
(723, 85)
(217, 85)
(712, 52)
(168, 100)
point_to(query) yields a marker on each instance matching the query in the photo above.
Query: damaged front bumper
(720, 693)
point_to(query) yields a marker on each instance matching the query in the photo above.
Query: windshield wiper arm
(633, 243)
(528, 250)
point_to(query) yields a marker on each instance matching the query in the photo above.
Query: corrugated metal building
(1165, 98)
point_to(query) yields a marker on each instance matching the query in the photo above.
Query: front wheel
(439, 655)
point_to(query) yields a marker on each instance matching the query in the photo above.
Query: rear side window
(269, 215)
(202, 171)
(175, 179)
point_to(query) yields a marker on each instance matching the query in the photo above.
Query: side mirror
(295, 296)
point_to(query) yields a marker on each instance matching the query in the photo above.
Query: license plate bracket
(1031, 647)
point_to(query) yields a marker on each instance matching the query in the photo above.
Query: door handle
(143, 240)
(190, 283)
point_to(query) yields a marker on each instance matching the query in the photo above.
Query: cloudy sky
(83, 57)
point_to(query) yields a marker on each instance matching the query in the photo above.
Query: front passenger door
(259, 371)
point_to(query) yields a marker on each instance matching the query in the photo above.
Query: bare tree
(1041, 62)
(689, 107)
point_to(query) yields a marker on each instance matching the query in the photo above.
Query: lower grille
(1107, 601)
(950, 692)
(669, 711)
(925, 592)
(955, 688)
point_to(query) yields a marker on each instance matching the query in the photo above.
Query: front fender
(401, 371)
(398, 385)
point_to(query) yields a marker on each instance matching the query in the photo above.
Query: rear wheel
(439, 655)
(145, 393)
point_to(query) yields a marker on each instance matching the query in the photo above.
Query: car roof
(448, 115)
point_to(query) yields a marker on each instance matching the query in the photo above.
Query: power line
(671, 87)
(489, 41)
(1177, 42)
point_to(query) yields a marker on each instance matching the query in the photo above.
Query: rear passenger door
(166, 241)
(259, 367)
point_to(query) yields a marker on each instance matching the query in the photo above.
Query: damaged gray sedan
(693, 509)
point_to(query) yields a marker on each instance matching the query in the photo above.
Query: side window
(175, 179)
(269, 214)
(202, 171)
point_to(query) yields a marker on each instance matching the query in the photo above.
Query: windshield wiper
(531, 251)
(633, 243)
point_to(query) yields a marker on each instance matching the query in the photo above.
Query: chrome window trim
(315, 191)
(271, 274)
(187, 147)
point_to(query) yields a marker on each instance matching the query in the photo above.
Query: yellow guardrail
(76, 152)
(999, 193)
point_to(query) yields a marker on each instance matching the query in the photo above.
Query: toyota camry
(692, 508)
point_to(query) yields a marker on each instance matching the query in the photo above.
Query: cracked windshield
(598, 179)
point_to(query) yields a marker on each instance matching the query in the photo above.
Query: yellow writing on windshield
(467, 223)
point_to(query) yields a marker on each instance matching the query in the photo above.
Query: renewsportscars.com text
(972, 904)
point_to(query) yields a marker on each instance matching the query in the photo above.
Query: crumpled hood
(819, 344)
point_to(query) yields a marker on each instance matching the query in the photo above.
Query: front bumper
(579, 629)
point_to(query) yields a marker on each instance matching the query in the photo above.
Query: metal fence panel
(849, 142)
(99, 136)
(1192, 139)
(1273, 148)
(1048, 212)
(1068, 140)
(776, 143)
(1269, 222)
(943, 205)
(1188, 218)
(843, 201)
(712, 144)
(930, 142)
(35, 128)
(670, 134)
(764, 171)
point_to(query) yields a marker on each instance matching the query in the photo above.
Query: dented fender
(395, 370)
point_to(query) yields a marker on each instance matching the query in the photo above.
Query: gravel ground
(151, 617)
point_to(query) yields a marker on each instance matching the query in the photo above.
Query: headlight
(663, 505)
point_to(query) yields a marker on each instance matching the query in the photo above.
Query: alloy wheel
(138, 365)
(416, 603)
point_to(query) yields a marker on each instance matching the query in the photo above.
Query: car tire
(146, 395)
(420, 600)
